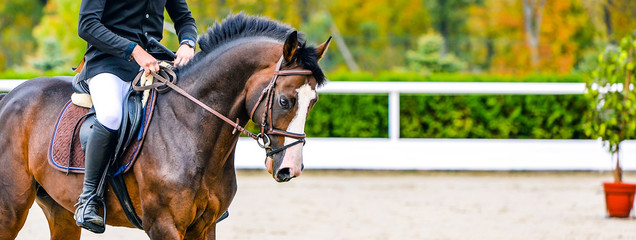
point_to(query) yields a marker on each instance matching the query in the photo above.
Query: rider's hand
(145, 60)
(184, 54)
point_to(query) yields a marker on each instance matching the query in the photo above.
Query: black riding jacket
(112, 29)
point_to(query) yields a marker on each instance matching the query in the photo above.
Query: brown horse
(184, 178)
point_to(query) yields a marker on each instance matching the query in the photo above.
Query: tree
(505, 40)
(448, 17)
(621, 18)
(497, 37)
(51, 58)
(428, 57)
(532, 14)
(17, 19)
(612, 18)
(611, 93)
(379, 32)
(57, 38)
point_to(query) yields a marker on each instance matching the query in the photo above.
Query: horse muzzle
(285, 170)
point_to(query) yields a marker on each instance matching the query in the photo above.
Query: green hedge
(502, 116)
(450, 116)
(349, 116)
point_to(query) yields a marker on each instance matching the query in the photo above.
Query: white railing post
(394, 115)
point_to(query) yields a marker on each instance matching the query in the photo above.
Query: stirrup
(80, 213)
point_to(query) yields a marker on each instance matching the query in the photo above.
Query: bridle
(167, 77)
(267, 127)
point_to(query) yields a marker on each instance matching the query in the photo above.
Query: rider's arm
(183, 21)
(95, 33)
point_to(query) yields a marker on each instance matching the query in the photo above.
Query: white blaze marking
(293, 155)
(297, 125)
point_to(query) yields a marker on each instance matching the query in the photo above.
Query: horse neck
(220, 83)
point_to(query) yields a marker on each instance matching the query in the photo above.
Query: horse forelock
(241, 26)
(308, 58)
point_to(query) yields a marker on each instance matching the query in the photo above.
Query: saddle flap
(74, 126)
(129, 129)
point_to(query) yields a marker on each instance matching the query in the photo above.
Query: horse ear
(290, 47)
(322, 49)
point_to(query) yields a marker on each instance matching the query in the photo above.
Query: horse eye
(284, 103)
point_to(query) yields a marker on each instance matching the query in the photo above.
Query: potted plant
(611, 93)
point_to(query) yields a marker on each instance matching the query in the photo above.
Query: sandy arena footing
(408, 205)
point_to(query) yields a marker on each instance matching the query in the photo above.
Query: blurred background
(408, 41)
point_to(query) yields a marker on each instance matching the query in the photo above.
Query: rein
(166, 78)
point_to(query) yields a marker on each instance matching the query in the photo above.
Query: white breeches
(108, 92)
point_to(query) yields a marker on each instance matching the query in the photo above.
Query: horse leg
(200, 231)
(61, 221)
(17, 192)
(211, 233)
(163, 229)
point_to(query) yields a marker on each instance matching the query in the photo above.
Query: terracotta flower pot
(619, 198)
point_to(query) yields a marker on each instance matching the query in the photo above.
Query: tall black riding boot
(100, 147)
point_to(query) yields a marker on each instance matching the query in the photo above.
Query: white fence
(8, 84)
(441, 154)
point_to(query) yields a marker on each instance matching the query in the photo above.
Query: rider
(117, 33)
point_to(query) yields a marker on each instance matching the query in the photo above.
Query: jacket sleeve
(92, 30)
(184, 23)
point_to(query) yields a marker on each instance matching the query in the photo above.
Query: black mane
(242, 26)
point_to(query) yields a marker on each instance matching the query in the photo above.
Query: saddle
(66, 152)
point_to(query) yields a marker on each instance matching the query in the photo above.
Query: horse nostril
(284, 175)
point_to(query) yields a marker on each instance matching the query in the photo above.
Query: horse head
(281, 105)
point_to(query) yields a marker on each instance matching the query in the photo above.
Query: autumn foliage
(492, 36)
